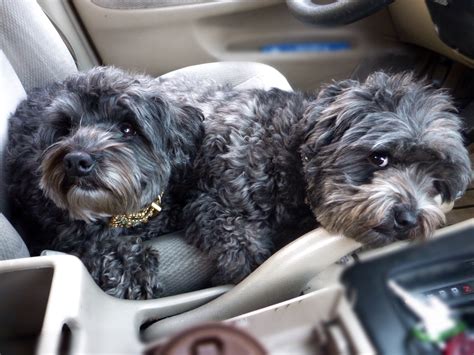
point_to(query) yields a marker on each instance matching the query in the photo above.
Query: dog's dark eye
(127, 129)
(380, 159)
(63, 131)
(61, 124)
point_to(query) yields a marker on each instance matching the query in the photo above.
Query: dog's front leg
(237, 243)
(123, 266)
(128, 268)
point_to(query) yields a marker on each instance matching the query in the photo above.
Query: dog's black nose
(78, 164)
(405, 217)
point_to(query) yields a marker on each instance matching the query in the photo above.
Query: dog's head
(111, 143)
(381, 157)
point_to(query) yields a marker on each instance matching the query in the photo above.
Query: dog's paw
(135, 282)
(129, 270)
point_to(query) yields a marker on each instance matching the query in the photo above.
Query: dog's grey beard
(362, 212)
(114, 186)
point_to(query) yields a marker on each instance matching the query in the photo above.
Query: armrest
(280, 278)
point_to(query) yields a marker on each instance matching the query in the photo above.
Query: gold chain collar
(134, 219)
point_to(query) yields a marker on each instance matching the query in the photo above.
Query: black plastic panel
(422, 268)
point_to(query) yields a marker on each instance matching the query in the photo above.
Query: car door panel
(158, 39)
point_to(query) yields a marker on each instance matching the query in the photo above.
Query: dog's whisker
(80, 120)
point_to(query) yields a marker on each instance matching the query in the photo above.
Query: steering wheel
(339, 12)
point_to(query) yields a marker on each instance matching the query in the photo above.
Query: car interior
(322, 293)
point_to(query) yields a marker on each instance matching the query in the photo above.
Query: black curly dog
(99, 144)
(374, 161)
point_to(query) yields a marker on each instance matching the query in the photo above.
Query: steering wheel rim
(340, 12)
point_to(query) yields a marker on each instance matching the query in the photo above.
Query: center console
(51, 305)
(361, 314)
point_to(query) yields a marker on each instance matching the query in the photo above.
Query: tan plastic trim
(413, 23)
(145, 4)
(280, 278)
(164, 15)
(288, 327)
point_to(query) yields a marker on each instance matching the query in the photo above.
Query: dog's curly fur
(142, 145)
(371, 160)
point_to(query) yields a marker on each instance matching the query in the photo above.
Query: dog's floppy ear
(321, 123)
(174, 129)
(180, 127)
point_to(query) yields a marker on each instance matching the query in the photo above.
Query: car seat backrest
(32, 44)
(11, 93)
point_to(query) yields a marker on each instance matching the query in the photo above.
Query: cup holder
(51, 305)
(23, 302)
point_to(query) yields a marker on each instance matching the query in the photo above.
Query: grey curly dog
(83, 153)
(374, 161)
